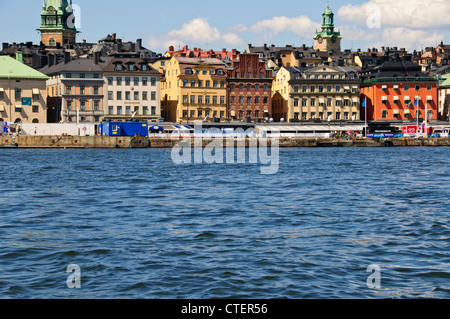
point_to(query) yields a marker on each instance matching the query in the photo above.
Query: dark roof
(76, 65)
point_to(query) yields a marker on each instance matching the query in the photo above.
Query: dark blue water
(139, 226)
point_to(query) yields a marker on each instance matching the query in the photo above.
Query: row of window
(119, 110)
(265, 87)
(203, 114)
(70, 105)
(136, 81)
(34, 109)
(130, 66)
(249, 99)
(83, 90)
(406, 114)
(193, 83)
(406, 87)
(204, 72)
(18, 95)
(328, 89)
(248, 75)
(249, 113)
(81, 75)
(298, 76)
(136, 95)
(326, 102)
(320, 116)
(203, 99)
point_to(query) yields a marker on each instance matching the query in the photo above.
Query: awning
(36, 91)
(321, 100)
(355, 99)
(1, 89)
(396, 112)
(346, 87)
(384, 87)
(338, 98)
(18, 106)
(2, 108)
(233, 113)
(407, 112)
(407, 98)
(429, 98)
(395, 87)
(384, 98)
(396, 98)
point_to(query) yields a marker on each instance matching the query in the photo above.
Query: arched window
(52, 42)
(18, 121)
(35, 121)
(2, 120)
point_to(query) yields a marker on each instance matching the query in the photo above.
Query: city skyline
(363, 24)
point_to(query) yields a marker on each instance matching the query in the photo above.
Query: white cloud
(417, 14)
(301, 25)
(195, 32)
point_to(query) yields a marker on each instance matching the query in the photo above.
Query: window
(144, 67)
(153, 81)
(119, 80)
(249, 75)
(200, 99)
(18, 93)
(110, 95)
(313, 102)
(222, 84)
(241, 87)
(265, 100)
(249, 99)
(256, 87)
(384, 114)
(144, 96)
(338, 115)
(329, 88)
(118, 67)
(145, 110)
(232, 99)
(207, 99)
(329, 101)
(110, 80)
(144, 81)
(417, 87)
(215, 84)
(214, 99)
(200, 83)
(192, 83)
(406, 88)
(313, 89)
(136, 81)
(192, 99)
(208, 84)
(296, 102)
(249, 87)
(69, 89)
(96, 76)
(429, 87)
(127, 95)
(130, 67)
(35, 108)
(265, 87)
(256, 99)
(153, 110)
(304, 102)
(192, 114)
(96, 105)
(119, 95)
(304, 116)
(136, 96)
(127, 81)
(96, 90)
(119, 110)
(83, 105)
(153, 96)
(68, 75)
(82, 89)
(241, 100)
(222, 100)
(136, 109)
(82, 75)
(185, 99)
(338, 88)
(128, 110)
(69, 105)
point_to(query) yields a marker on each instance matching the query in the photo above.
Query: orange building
(398, 91)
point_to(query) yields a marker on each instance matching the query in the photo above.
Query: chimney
(139, 44)
(66, 57)
(19, 56)
(114, 36)
(96, 57)
(51, 60)
(5, 45)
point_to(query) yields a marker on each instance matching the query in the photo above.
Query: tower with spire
(57, 23)
(328, 39)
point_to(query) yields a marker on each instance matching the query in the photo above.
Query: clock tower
(328, 39)
(57, 23)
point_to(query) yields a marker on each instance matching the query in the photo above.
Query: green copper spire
(55, 14)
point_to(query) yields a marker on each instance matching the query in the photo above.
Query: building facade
(22, 92)
(249, 89)
(444, 98)
(57, 23)
(132, 89)
(75, 90)
(399, 91)
(317, 94)
(194, 89)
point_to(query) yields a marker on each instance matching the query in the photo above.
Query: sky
(233, 24)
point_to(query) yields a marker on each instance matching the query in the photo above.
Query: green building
(328, 39)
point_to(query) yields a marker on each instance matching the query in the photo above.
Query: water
(139, 226)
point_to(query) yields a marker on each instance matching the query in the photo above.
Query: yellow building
(194, 89)
(23, 92)
(282, 105)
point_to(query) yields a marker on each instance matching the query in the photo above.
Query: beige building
(316, 94)
(194, 89)
(23, 92)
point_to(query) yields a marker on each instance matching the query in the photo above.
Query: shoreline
(108, 142)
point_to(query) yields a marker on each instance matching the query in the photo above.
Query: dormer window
(188, 71)
(219, 72)
(144, 67)
(118, 67)
(130, 67)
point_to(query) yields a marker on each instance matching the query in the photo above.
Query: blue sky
(233, 24)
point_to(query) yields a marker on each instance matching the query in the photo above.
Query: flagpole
(417, 113)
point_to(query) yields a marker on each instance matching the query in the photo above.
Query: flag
(416, 101)
(364, 103)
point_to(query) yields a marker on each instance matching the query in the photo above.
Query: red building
(398, 91)
(199, 53)
(249, 88)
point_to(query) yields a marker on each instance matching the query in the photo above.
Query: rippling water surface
(140, 226)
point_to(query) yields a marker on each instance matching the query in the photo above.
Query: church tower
(328, 39)
(57, 23)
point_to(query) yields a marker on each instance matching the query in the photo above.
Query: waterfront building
(132, 88)
(75, 89)
(397, 90)
(328, 39)
(324, 93)
(194, 89)
(57, 23)
(22, 92)
(249, 89)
